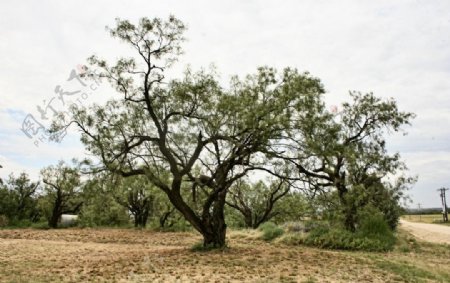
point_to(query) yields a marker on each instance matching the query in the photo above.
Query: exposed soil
(433, 233)
(114, 255)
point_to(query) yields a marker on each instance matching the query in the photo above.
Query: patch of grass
(338, 238)
(406, 243)
(411, 273)
(270, 231)
(426, 218)
(292, 239)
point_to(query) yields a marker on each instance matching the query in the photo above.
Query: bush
(373, 224)
(40, 225)
(25, 223)
(373, 234)
(270, 231)
(344, 240)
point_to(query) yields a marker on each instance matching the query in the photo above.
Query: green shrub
(25, 223)
(373, 234)
(270, 231)
(40, 225)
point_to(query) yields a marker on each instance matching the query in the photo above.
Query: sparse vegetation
(270, 231)
(98, 255)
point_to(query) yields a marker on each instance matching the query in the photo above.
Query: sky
(397, 49)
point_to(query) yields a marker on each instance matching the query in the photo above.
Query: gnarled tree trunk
(214, 234)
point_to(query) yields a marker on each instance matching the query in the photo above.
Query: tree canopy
(195, 135)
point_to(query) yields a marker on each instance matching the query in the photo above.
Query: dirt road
(434, 233)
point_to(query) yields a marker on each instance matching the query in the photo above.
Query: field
(426, 218)
(120, 255)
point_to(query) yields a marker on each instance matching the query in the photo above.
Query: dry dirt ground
(434, 233)
(121, 255)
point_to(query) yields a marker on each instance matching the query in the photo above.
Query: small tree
(62, 187)
(18, 198)
(138, 195)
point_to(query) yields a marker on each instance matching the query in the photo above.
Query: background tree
(62, 188)
(256, 202)
(18, 198)
(100, 207)
(163, 129)
(137, 194)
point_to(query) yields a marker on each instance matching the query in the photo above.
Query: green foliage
(338, 238)
(292, 207)
(18, 199)
(373, 234)
(270, 231)
(234, 218)
(100, 207)
(99, 212)
(373, 224)
(193, 135)
(40, 225)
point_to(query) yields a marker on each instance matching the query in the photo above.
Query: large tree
(190, 134)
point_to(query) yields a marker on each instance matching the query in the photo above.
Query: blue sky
(396, 49)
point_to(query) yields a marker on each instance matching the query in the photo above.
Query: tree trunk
(211, 224)
(214, 235)
(56, 213)
(136, 220)
(215, 238)
(53, 221)
(163, 218)
(350, 216)
(248, 219)
(140, 219)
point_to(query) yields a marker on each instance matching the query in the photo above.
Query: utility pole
(444, 204)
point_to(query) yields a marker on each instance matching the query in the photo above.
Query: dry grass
(428, 218)
(115, 255)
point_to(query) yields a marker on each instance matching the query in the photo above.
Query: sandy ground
(434, 233)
